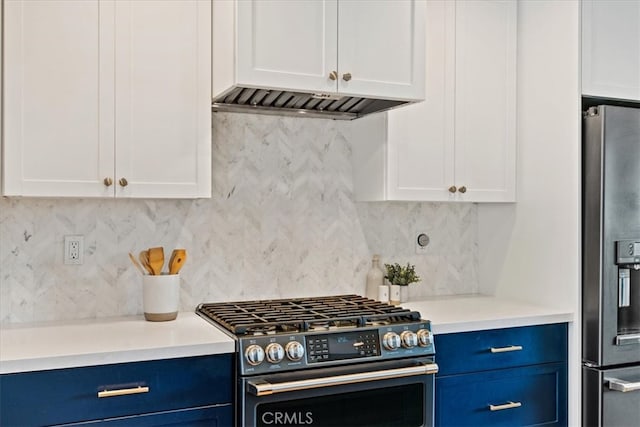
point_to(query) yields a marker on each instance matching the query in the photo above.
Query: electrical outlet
(422, 241)
(73, 249)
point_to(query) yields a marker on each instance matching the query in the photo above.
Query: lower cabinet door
(212, 416)
(525, 396)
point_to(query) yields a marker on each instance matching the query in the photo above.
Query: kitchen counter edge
(93, 342)
(469, 313)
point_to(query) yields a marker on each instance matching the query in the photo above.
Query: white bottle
(375, 278)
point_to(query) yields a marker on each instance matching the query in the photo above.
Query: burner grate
(262, 317)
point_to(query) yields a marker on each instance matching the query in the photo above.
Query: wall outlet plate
(73, 249)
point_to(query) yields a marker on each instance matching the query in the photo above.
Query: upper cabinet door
(485, 100)
(163, 98)
(381, 48)
(287, 44)
(421, 136)
(611, 49)
(58, 138)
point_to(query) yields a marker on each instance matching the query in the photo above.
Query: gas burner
(332, 324)
(261, 330)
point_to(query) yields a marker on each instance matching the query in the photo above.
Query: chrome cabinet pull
(123, 391)
(622, 385)
(265, 388)
(504, 406)
(506, 349)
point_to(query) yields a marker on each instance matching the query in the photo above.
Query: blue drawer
(533, 395)
(71, 395)
(212, 416)
(472, 351)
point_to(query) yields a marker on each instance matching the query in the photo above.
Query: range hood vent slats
(259, 95)
(245, 96)
(278, 102)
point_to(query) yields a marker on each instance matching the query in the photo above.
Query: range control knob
(409, 339)
(294, 350)
(424, 338)
(391, 341)
(254, 354)
(275, 352)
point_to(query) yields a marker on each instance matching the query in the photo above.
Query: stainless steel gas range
(329, 361)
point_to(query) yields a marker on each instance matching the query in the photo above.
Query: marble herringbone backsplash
(281, 223)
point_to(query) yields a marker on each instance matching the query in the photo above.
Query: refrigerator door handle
(622, 385)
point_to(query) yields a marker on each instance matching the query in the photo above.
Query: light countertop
(56, 345)
(464, 313)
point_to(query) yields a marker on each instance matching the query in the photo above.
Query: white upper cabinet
(163, 98)
(611, 49)
(459, 144)
(368, 48)
(107, 98)
(286, 44)
(377, 48)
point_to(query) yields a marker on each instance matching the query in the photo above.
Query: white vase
(404, 293)
(394, 294)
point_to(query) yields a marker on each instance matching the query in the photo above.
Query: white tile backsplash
(282, 222)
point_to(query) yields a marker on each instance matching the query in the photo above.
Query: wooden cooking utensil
(136, 263)
(156, 259)
(144, 260)
(178, 257)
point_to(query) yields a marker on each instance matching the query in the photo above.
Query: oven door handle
(265, 388)
(622, 385)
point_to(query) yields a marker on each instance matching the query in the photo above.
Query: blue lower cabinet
(214, 416)
(502, 377)
(182, 391)
(527, 396)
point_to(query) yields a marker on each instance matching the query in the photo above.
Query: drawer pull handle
(622, 385)
(123, 391)
(502, 407)
(506, 349)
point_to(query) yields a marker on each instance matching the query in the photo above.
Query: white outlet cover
(74, 249)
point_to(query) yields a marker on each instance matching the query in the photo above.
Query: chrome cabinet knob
(333, 75)
(123, 182)
(462, 189)
(254, 355)
(274, 352)
(294, 350)
(452, 189)
(346, 77)
(108, 182)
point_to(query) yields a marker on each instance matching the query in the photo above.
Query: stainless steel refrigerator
(611, 267)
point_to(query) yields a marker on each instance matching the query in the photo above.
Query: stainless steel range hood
(278, 102)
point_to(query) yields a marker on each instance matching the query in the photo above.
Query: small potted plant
(400, 277)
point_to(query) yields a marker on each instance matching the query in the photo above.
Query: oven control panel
(286, 352)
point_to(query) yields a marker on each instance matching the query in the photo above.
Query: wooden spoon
(178, 257)
(136, 263)
(144, 260)
(156, 259)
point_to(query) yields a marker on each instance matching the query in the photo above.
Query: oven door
(393, 393)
